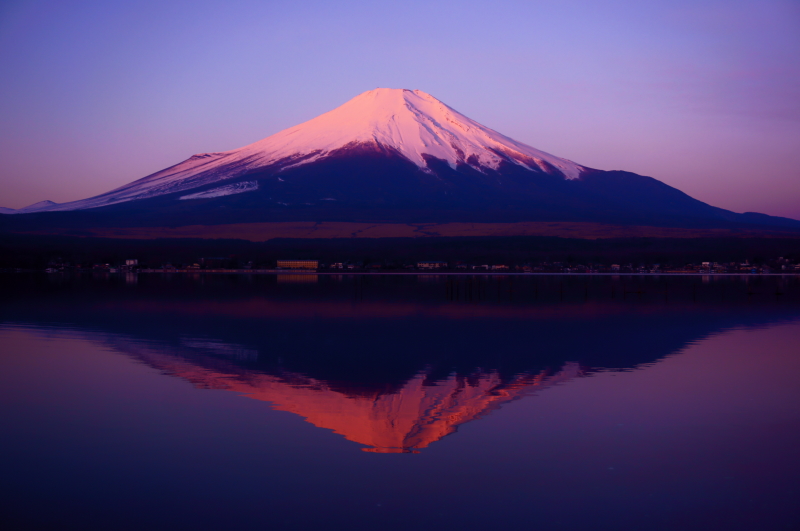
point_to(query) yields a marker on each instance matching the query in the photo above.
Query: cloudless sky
(703, 95)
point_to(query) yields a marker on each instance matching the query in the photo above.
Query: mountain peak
(413, 123)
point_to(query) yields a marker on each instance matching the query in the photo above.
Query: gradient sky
(704, 96)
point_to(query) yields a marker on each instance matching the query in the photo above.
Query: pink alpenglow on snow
(412, 122)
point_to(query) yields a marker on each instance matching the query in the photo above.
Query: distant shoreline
(279, 272)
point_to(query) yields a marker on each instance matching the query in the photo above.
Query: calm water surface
(378, 402)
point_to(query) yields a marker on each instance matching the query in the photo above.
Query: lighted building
(298, 264)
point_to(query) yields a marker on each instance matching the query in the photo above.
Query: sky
(702, 95)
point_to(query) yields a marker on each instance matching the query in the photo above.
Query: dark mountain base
(376, 185)
(259, 232)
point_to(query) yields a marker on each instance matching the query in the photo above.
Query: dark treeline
(35, 251)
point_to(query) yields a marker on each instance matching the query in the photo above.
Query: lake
(418, 402)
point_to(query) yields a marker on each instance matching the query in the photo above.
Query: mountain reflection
(422, 411)
(395, 364)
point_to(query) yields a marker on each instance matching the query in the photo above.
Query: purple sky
(704, 96)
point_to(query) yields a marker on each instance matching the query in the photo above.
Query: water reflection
(396, 364)
(297, 279)
(220, 348)
(401, 419)
(211, 403)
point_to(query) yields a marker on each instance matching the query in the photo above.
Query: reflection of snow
(219, 348)
(228, 189)
(404, 420)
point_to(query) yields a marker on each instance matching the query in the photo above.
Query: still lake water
(399, 402)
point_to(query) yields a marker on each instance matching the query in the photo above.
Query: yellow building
(298, 264)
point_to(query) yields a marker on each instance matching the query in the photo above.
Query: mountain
(391, 155)
(41, 206)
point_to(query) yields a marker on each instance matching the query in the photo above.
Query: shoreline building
(298, 264)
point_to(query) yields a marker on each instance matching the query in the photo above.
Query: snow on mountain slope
(228, 189)
(412, 123)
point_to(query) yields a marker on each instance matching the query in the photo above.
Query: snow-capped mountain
(391, 155)
(414, 124)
